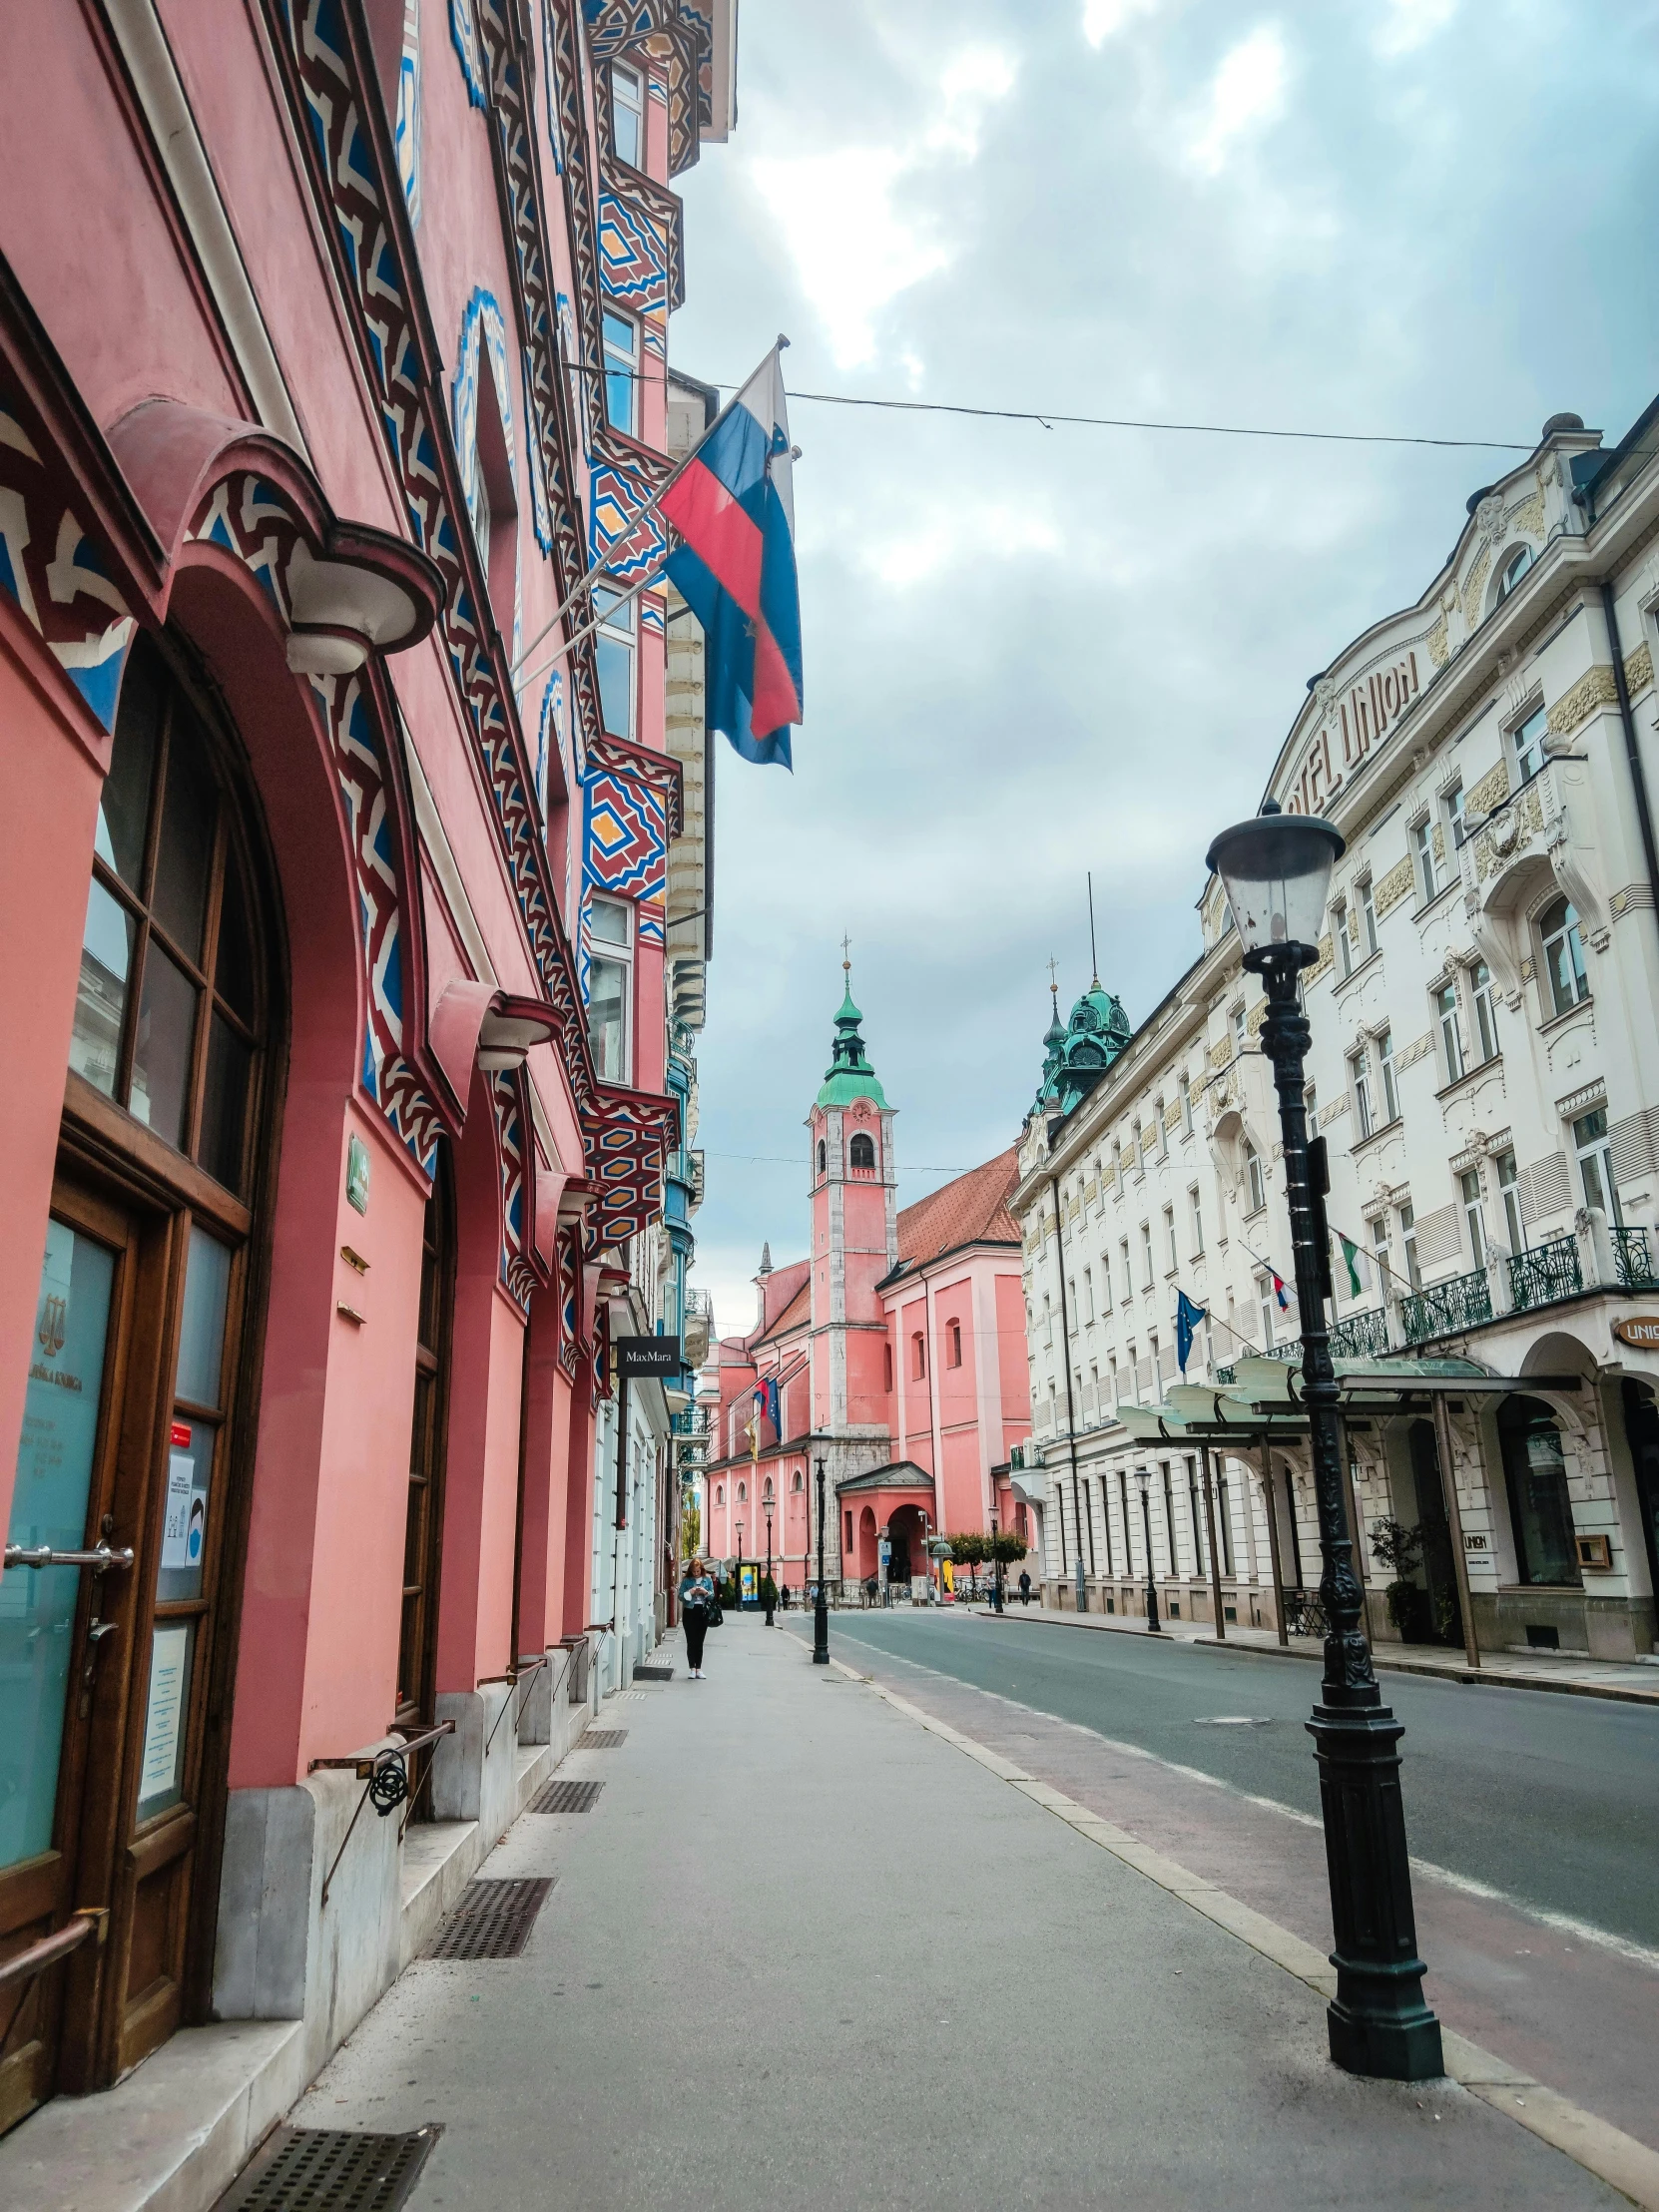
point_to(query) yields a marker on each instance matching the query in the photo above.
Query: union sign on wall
(1640, 1329)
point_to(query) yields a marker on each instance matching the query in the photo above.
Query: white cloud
(1245, 94)
(1408, 24)
(855, 242)
(1101, 18)
(966, 531)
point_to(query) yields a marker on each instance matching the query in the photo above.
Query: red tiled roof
(972, 1210)
(797, 1310)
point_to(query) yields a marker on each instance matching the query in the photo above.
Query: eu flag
(1187, 1318)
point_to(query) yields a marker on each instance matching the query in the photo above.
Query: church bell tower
(854, 1233)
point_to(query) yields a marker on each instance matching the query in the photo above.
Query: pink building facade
(332, 897)
(896, 1350)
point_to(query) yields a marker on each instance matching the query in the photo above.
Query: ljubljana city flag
(733, 507)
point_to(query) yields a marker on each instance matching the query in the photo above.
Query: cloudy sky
(1035, 652)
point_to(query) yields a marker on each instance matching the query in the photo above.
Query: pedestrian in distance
(697, 1597)
(1025, 1586)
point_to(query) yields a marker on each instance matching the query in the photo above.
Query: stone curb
(1477, 1676)
(1595, 2144)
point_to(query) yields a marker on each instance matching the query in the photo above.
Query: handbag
(714, 1616)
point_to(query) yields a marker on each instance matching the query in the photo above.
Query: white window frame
(1359, 1076)
(617, 636)
(1367, 916)
(1146, 1259)
(1194, 1201)
(1255, 1186)
(1345, 944)
(1408, 1245)
(617, 952)
(1486, 1011)
(1451, 1036)
(1526, 744)
(628, 97)
(1472, 1201)
(618, 361)
(1570, 938)
(1594, 1153)
(1169, 1231)
(1389, 1074)
(1509, 1188)
(1422, 838)
(1265, 1303)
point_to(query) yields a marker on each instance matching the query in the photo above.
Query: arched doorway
(1641, 1428)
(417, 1648)
(868, 1557)
(910, 1552)
(138, 1415)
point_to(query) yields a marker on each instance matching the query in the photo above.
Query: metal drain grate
(492, 1921)
(566, 1796)
(331, 2169)
(603, 1739)
(653, 1674)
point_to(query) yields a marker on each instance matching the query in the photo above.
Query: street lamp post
(1276, 870)
(997, 1572)
(821, 1610)
(1143, 1476)
(738, 1575)
(768, 1591)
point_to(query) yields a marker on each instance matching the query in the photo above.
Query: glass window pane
(101, 997)
(48, 1506)
(180, 902)
(608, 922)
(160, 1061)
(165, 1727)
(1540, 1509)
(190, 1471)
(615, 660)
(607, 986)
(233, 962)
(124, 810)
(202, 1328)
(224, 1105)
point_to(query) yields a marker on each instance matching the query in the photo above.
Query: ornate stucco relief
(1595, 688)
(1393, 887)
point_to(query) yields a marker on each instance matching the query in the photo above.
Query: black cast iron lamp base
(1276, 870)
(821, 1610)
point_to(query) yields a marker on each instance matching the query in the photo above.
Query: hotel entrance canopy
(1264, 1397)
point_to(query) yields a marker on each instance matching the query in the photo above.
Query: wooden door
(423, 1526)
(103, 1791)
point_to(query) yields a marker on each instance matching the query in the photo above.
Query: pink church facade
(337, 1122)
(896, 1351)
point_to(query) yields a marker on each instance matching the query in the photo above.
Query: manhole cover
(566, 1796)
(603, 1739)
(1231, 1720)
(331, 2169)
(653, 1674)
(492, 1921)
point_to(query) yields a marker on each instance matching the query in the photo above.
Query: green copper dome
(849, 1074)
(1077, 1056)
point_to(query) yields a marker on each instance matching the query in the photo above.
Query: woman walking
(697, 1595)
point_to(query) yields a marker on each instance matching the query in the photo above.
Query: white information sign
(168, 1654)
(180, 1479)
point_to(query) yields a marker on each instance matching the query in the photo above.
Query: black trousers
(697, 1627)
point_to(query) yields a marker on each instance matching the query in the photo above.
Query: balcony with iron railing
(1444, 1309)
(1633, 1262)
(1544, 1274)
(1361, 1336)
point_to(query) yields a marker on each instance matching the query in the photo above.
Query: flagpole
(569, 644)
(587, 582)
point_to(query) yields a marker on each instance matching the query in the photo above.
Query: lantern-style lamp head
(1276, 871)
(1143, 1475)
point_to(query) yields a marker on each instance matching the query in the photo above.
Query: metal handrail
(100, 1558)
(1544, 1273)
(521, 1673)
(33, 1958)
(1630, 1260)
(1446, 1308)
(364, 1764)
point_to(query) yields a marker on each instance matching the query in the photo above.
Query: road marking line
(1593, 2143)
(1563, 1924)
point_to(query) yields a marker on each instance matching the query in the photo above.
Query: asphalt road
(1551, 1800)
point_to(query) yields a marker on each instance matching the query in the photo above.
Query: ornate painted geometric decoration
(517, 1273)
(49, 567)
(601, 1354)
(407, 133)
(250, 519)
(463, 30)
(346, 180)
(639, 765)
(653, 614)
(637, 1130)
(569, 1262)
(633, 256)
(550, 738)
(537, 460)
(625, 844)
(630, 547)
(483, 330)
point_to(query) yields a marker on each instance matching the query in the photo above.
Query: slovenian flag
(765, 1403)
(733, 505)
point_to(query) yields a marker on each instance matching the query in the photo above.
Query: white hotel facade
(1484, 1070)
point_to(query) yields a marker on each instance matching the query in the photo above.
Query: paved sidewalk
(760, 1978)
(1636, 1681)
